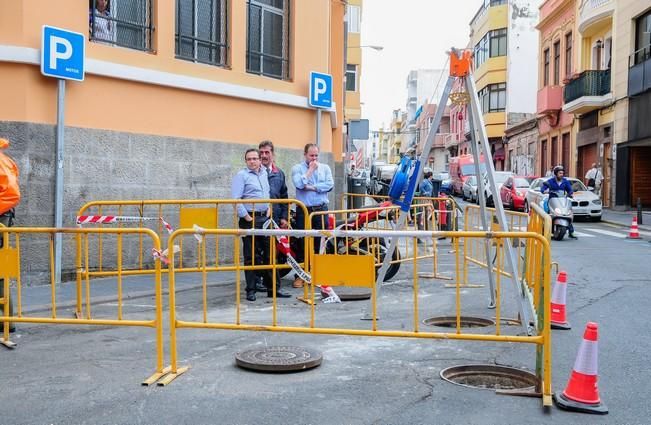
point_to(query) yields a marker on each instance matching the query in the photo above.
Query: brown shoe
(298, 283)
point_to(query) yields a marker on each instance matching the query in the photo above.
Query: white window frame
(354, 74)
(353, 16)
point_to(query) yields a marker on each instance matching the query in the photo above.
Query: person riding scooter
(558, 183)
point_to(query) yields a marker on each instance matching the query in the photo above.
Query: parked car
(461, 167)
(446, 182)
(381, 176)
(500, 178)
(470, 189)
(513, 192)
(585, 203)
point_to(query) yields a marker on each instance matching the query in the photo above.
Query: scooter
(560, 209)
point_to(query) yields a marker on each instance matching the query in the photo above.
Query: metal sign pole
(58, 199)
(524, 303)
(318, 128)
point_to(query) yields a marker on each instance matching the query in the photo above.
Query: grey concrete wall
(110, 165)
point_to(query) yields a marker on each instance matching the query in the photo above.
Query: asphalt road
(82, 374)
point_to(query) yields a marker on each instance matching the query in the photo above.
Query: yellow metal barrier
(476, 251)
(179, 213)
(10, 260)
(382, 219)
(440, 206)
(334, 269)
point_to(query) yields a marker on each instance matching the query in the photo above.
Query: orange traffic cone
(581, 393)
(634, 233)
(559, 321)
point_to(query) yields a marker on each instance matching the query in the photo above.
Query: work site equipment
(410, 174)
(559, 296)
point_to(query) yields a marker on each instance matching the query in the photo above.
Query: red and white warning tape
(109, 219)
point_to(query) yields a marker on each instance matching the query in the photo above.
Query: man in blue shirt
(558, 183)
(313, 180)
(252, 183)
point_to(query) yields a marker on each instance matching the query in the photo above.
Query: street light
(376, 48)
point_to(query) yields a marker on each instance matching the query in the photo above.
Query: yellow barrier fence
(444, 211)
(382, 218)
(358, 270)
(43, 238)
(177, 213)
(476, 251)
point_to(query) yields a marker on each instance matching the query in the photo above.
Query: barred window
(268, 38)
(124, 23)
(201, 31)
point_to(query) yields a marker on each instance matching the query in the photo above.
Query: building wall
(145, 125)
(522, 45)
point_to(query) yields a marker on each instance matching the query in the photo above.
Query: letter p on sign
(320, 90)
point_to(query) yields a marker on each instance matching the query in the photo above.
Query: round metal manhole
(490, 377)
(354, 294)
(466, 322)
(278, 359)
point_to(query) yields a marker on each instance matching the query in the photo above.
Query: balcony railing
(589, 83)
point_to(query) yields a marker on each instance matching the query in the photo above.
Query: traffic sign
(320, 90)
(62, 53)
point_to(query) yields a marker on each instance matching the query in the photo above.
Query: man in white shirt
(593, 178)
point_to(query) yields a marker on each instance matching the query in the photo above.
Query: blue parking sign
(62, 53)
(320, 90)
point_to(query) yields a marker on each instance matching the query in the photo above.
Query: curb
(618, 224)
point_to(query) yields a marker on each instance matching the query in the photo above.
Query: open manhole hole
(490, 377)
(466, 322)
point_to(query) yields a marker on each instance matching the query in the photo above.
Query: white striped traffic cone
(634, 233)
(581, 393)
(559, 295)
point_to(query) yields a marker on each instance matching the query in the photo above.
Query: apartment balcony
(590, 91)
(550, 99)
(639, 73)
(592, 12)
(451, 141)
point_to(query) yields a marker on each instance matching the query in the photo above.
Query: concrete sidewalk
(625, 218)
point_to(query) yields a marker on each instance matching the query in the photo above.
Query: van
(461, 167)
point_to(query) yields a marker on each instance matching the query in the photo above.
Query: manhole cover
(489, 377)
(466, 322)
(278, 359)
(354, 294)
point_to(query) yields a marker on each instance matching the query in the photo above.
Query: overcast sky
(415, 34)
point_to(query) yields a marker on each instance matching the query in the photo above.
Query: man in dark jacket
(277, 185)
(277, 190)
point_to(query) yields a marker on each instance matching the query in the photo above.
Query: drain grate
(490, 377)
(466, 322)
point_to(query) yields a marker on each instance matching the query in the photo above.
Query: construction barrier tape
(166, 225)
(163, 255)
(198, 232)
(109, 219)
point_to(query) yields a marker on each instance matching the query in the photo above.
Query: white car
(470, 189)
(500, 178)
(585, 203)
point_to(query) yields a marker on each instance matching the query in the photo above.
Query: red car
(513, 192)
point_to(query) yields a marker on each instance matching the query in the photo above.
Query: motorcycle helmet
(557, 169)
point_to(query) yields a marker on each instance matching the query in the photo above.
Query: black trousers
(7, 219)
(318, 222)
(260, 257)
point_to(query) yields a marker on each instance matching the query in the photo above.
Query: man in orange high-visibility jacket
(9, 198)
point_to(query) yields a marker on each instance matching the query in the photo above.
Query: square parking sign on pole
(62, 53)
